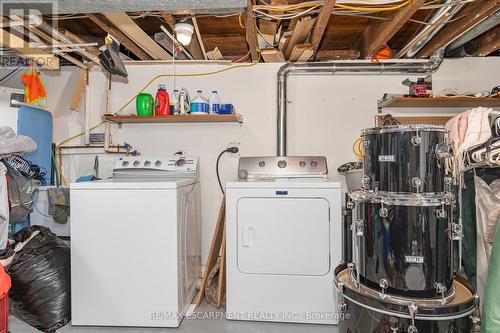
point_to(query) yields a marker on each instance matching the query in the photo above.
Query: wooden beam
(120, 36)
(169, 19)
(321, 23)
(489, 42)
(123, 22)
(79, 90)
(41, 58)
(347, 54)
(301, 53)
(474, 13)
(76, 39)
(198, 36)
(377, 35)
(299, 35)
(251, 32)
(272, 55)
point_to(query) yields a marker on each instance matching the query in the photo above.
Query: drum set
(400, 276)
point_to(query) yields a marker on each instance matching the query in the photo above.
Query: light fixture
(184, 32)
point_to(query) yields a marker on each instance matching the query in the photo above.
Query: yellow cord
(357, 148)
(363, 8)
(374, 8)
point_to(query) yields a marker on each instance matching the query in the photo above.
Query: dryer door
(284, 236)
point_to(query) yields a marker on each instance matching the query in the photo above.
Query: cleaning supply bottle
(174, 101)
(144, 104)
(199, 105)
(214, 103)
(162, 102)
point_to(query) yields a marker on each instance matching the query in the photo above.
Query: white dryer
(135, 244)
(283, 241)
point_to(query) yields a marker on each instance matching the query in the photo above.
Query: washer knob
(157, 163)
(180, 162)
(147, 163)
(125, 163)
(136, 163)
(281, 164)
(262, 164)
(314, 163)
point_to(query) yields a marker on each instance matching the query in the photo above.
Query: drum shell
(410, 248)
(392, 161)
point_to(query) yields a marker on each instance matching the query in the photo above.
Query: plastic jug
(214, 103)
(162, 102)
(199, 105)
(144, 104)
(174, 102)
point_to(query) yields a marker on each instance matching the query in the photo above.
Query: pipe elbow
(284, 71)
(435, 60)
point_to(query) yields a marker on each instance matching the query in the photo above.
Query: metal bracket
(456, 232)
(412, 308)
(441, 289)
(416, 140)
(360, 228)
(383, 285)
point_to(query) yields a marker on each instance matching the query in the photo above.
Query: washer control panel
(283, 167)
(156, 166)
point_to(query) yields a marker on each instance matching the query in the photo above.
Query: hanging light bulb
(183, 33)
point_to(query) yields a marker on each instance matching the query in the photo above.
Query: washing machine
(283, 239)
(135, 243)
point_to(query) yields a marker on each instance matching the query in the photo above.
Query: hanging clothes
(490, 319)
(4, 208)
(34, 89)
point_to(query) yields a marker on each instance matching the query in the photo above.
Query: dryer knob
(125, 163)
(180, 162)
(158, 163)
(282, 164)
(314, 163)
(136, 163)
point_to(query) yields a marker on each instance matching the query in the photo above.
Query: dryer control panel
(282, 167)
(137, 167)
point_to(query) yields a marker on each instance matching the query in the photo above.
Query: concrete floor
(192, 325)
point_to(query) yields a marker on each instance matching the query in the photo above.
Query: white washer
(135, 244)
(283, 242)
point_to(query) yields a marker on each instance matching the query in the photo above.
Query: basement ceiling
(277, 30)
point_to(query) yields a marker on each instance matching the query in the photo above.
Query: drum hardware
(416, 140)
(441, 213)
(360, 227)
(448, 182)
(456, 232)
(416, 182)
(476, 315)
(441, 289)
(412, 308)
(443, 151)
(383, 212)
(366, 144)
(350, 205)
(365, 181)
(383, 285)
(394, 324)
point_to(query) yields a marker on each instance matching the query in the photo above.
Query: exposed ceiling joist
(489, 42)
(120, 36)
(378, 34)
(321, 23)
(76, 39)
(41, 58)
(473, 14)
(251, 32)
(302, 29)
(194, 47)
(123, 22)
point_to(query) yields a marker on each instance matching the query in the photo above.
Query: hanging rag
(487, 202)
(4, 208)
(13, 144)
(34, 89)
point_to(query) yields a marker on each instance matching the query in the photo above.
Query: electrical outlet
(234, 144)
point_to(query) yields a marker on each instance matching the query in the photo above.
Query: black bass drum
(405, 243)
(364, 310)
(405, 158)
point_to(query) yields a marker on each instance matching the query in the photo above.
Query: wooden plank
(347, 54)
(428, 120)
(199, 37)
(76, 39)
(120, 36)
(489, 42)
(123, 22)
(267, 27)
(272, 55)
(299, 50)
(473, 14)
(321, 23)
(299, 35)
(251, 32)
(378, 34)
(438, 102)
(213, 253)
(181, 118)
(221, 285)
(79, 90)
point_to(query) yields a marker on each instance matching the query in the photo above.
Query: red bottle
(162, 102)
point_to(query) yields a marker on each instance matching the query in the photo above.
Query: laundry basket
(5, 285)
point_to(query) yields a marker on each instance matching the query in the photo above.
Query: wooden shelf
(438, 102)
(182, 118)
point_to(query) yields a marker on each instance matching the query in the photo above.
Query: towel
(13, 144)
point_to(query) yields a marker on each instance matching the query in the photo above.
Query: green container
(144, 104)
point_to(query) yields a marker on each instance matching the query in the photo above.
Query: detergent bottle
(199, 105)
(162, 102)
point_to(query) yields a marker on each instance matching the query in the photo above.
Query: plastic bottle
(199, 104)
(174, 101)
(144, 104)
(162, 102)
(214, 103)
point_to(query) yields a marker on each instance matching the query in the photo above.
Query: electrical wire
(217, 170)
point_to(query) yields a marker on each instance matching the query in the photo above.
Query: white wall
(325, 115)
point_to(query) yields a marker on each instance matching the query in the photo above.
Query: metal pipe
(480, 28)
(390, 67)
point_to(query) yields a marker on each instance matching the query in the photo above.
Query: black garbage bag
(41, 279)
